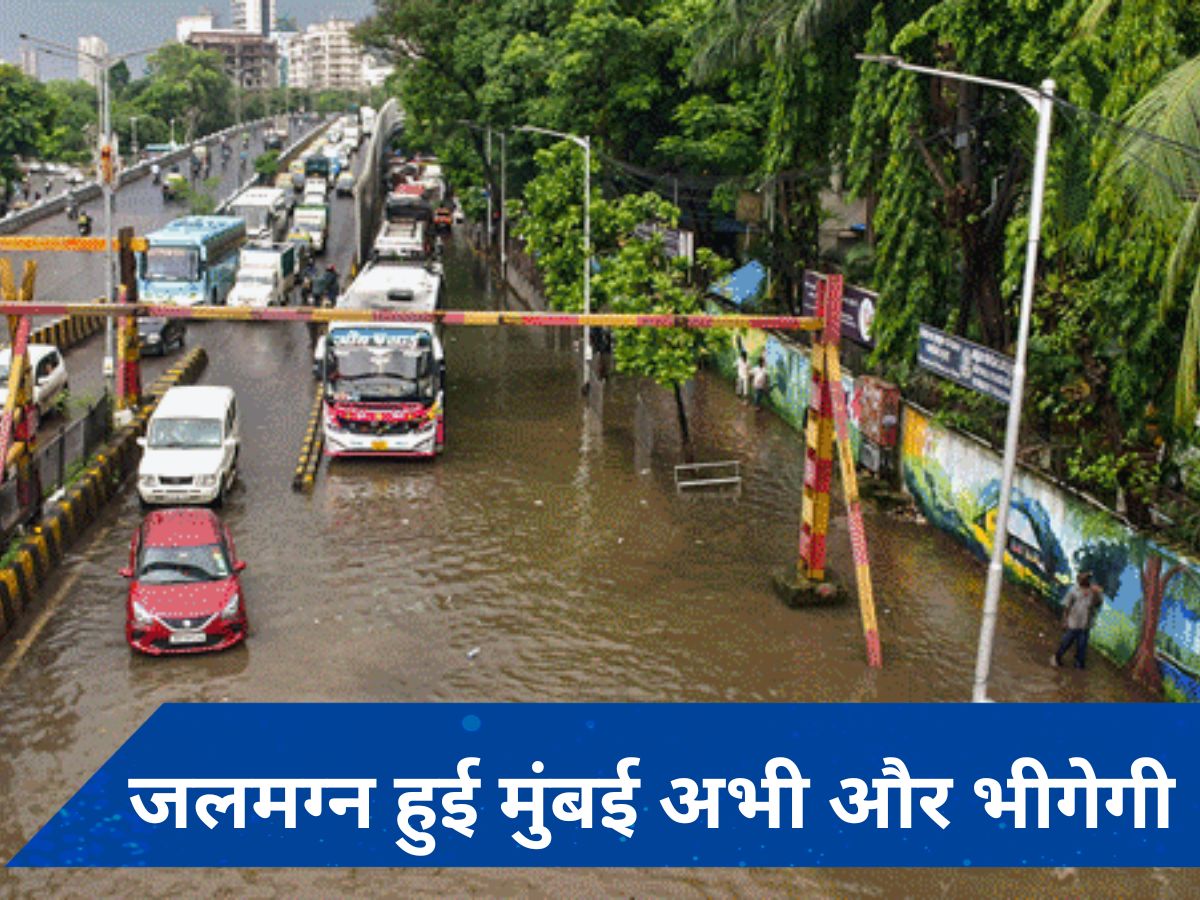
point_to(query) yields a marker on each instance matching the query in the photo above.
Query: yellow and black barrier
(310, 449)
(67, 332)
(44, 548)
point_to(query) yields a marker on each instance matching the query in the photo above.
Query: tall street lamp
(105, 150)
(586, 143)
(503, 135)
(1042, 100)
(133, 128)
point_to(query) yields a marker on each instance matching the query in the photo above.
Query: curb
(310, 448)
(44, 549)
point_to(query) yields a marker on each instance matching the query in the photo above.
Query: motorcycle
(72, 209)
(85, 225)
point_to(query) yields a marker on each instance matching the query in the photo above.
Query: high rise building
(326, 57)
(250, 59)
(257, 16)
(92, 50)
(29, 61)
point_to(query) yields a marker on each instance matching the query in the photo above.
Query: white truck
(404, 240)
(266, 275)
(366, 117)
(265, 211)
(312, 219)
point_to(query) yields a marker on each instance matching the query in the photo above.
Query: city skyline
(127, 25)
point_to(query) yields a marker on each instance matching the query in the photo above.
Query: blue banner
(637, 784)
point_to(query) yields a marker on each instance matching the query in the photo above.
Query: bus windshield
(172, 264)
(365, 374)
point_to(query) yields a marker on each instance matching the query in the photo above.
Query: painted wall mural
(1150, 621)
(790, 372)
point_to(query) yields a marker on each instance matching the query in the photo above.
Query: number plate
(188, 637)
(379, 445)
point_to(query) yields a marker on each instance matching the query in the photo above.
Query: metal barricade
(725, 475)
(63, 455)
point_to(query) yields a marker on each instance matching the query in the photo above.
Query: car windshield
(184, 433)
(182, 565)
(361, 374)
(255, 276)
(172, 264)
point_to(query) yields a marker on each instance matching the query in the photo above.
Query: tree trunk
(1144, 666)
(685, 436)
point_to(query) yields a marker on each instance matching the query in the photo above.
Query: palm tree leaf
(1158, 158)
(1189, 356)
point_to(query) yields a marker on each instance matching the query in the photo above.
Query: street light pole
(586, 143)
(104, 139)
(133, 128)
(503, 212)
(488, 156)
(1042, 100)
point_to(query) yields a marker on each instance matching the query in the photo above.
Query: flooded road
(550, 537)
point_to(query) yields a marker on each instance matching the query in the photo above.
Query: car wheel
(179, 341)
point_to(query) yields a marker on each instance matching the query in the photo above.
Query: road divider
(67, 332)
(310, 448)
(35, 557)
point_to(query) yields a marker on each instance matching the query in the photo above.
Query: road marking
(22, 645)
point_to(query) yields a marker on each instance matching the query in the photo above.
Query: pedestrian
(1079, 614)
(760, 380)
(743, 374)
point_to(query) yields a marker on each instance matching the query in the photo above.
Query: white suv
(191, 447)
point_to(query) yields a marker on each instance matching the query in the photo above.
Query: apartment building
(251, 60)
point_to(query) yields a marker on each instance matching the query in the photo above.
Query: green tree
(190, 85)
(634, 275)
(267, 166)
(26, 120)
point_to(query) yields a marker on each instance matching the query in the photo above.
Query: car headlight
(147, 480)
(140, 615)
(231, 608)
(206, 480)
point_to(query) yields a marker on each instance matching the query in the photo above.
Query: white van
(190, 450)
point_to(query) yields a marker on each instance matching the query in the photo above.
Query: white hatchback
(49, 375)
(190, 450)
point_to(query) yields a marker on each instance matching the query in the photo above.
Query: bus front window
(172, 264)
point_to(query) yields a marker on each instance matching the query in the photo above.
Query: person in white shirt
(760, 380)
(743, 374)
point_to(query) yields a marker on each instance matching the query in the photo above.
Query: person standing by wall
(743, 374)
(1079, 614)
(760, 380)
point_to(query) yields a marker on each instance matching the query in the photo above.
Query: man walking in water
(1079, 614)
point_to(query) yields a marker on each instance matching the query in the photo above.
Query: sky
(128, 25)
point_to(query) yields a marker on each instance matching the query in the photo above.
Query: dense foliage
(703, 99)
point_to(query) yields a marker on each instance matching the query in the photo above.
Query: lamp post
(104, 151)
(586, 143)
(1042, 100)
(133, 128)
(172, 132)
(503, 135)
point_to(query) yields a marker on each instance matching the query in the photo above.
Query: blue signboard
(975, 367)
(640, 784)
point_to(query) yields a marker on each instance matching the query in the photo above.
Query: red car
(184, 594)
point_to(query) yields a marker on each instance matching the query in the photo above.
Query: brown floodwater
(551, 538)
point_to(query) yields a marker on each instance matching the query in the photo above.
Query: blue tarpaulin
(742, 285)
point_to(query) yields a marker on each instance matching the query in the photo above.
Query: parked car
(158, 334)
(190, 450)
(49, 375)
(345, 183)
(185, 594)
